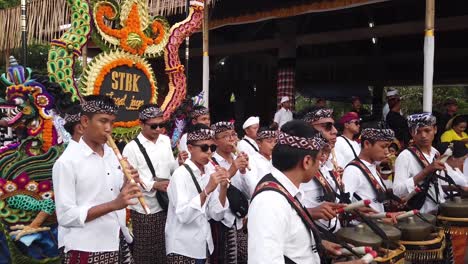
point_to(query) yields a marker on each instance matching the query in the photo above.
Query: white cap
(251, 121)
(284, 99)
(392, 93)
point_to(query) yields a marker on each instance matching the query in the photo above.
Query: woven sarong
(225, 244)
(149, 244)
(179, 259)
(80, 257)
(241, 247)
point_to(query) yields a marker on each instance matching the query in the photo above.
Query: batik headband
(99, 107)
(220, 127)
(201, 134)
(416, 121)
(150, 112)
(267, 134)
(313, 143)
(72, 118)
(318, 114)
(199, 112)
(378, 134)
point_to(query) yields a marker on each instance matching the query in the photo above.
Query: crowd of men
(273, 196)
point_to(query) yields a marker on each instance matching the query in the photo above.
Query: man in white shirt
(409, 169)
(230, 245)
(454, 164)
(346, 147)
(148, 229)
(277, 233)
(283, 115)
(248, 144)
(391, 94)
(199, 115)
(260, 162)
(72, 123)
(90, 192)
(361, 177)
(194, 199)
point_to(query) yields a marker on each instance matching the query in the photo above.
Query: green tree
(8, 3)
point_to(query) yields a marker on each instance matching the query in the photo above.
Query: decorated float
(32, 106)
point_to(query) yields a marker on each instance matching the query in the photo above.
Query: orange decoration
(139, 41)
(47, 134)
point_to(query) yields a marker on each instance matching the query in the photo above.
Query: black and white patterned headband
(201, 134)
(72, 118)
(99, 107)
(199, 112)
(267, 134)
(416, 121)
(313, 143)
(378, 134)
(220, 127)
(150, 112)
(318, 114)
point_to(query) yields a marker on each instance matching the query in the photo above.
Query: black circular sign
(130, 89)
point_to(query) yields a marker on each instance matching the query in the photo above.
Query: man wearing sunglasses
(346, 147)
(321, 119)
(151, 153)
(241, 178)
(195, 197)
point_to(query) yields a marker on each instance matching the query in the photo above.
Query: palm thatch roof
(46, 19)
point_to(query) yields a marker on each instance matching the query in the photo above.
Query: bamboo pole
(206, 56)
(429, 43)
(24, 38)
(187, 47)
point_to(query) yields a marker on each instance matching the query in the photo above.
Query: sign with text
(130, 88)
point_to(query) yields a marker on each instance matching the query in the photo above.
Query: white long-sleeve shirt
(282, 116)
(458, 177)
(188, 231)
(356, 182)
(243, 182)
(83, 179)
(244, 146)
(164, 163)
(260, 166)
(276, 230)
(344, 153)
(313, 193)
(406, 167)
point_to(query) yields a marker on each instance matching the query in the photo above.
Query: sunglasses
(328, 126)
(357, 123)
(205, 147)
(158, 125)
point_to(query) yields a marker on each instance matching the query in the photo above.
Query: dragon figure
(26, 195)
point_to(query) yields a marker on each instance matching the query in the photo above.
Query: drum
(453, 216)
(362, 235)
(423, 243)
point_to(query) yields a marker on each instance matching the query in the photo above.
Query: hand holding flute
(130, 190)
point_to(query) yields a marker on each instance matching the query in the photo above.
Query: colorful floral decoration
(31, 104)
(134, 37)
(64, 51)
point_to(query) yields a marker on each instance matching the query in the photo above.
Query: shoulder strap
(378, 188)
(271, 184)
(351, 146)
(419, 156)
(252, 145)
(193, 178)
(147, 159)
(327, 189)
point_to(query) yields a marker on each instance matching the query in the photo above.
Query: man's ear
(194, 121)
(189, 148)
(307, 162)
(85, 120)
